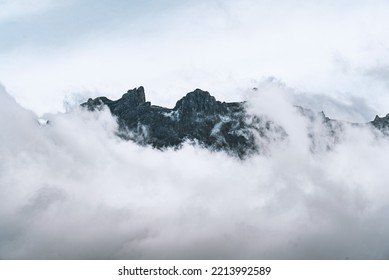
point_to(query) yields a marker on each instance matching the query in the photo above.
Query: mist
(71, 189)
(50, 49)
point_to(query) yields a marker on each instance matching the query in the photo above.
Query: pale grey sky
(50, 50)
(73, 189)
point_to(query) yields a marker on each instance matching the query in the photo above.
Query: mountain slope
(199, 118)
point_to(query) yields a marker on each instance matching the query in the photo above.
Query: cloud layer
(336, 48)
(72, 190)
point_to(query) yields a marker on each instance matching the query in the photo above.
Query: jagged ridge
(199, 118)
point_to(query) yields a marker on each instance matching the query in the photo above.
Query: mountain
(197, 118)
(381, 124)
(200, 119)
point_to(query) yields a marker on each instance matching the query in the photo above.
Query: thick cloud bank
(72, 189)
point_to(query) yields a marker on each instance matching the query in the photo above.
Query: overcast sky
(52, 50)
(72, 189)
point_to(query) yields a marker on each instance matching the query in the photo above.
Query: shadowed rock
(200, 119)
(381, 124)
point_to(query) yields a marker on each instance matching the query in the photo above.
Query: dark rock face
(198, 117)
(381, 124)
(219, 126)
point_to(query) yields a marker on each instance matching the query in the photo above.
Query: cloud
(175, 47)
(72, 190)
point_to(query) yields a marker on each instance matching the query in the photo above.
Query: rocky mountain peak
(134, 97)
(381, 123)
(198, 101)
(199, 118)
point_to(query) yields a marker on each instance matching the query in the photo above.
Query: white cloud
(71, 189)
(220, 46)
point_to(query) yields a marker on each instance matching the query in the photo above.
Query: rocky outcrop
(382, 124)
(200, 119)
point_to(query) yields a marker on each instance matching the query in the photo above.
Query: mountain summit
(200, 119)
(197, 117)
